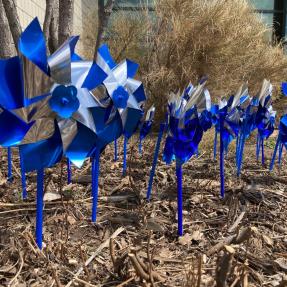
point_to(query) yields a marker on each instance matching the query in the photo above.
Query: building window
(274, 14)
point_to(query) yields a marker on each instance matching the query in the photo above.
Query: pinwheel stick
(179, 197)
(274, 153)
(241, 149)
(69, 171)
(115, 150)
(215, 145)
(221, 158)
(140, 146)
(23, 178)
(257, 146)
(9, 156)
(155, 158)
(95, 183)
(262, 152)
(39, 215)
(280, 154)
(125, 155)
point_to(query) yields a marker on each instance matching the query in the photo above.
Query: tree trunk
(47, 21)
(13, 20)
(6, 49)
(53, 29)
(104, 13)
(66, 11)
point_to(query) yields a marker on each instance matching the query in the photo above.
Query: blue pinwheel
(265, 118)
(145, 126)
(281, 141)
(127, 93)
(58, 121)
(187, 120)
(227, 124)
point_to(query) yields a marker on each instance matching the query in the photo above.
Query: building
(274, 14)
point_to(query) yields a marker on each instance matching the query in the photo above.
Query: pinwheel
(195, 95)
(187, 120)
(145, 126)
(227, 121)
(57, 122)
(127, 94)
(265, 118)
(281, 141)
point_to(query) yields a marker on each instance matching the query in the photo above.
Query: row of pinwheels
(61, 105)
(192, 113)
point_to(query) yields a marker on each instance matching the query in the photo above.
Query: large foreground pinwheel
(62, 120)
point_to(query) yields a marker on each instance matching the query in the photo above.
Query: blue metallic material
(33, 46)
(179, 198)
(9, 159)
(64, 101)
(125, 155)
(40, 206)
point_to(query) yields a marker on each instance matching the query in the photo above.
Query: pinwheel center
(120, 97)
(64, 101)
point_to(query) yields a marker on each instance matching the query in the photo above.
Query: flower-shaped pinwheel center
(64, 101)
(120, 97)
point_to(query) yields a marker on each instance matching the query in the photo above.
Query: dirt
(240, 240)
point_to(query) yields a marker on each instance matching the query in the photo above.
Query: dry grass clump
(223, 39)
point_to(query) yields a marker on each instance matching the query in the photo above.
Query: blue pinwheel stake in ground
(145, 126)
(281, 141)
(265, 118)
(51, 123)
(187, 120)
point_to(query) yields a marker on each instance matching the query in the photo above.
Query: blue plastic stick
(9, 156)
(262, 152)
(95, 183)
(155, 158)
(257, 146)
(241, 150)
(237, 148)
(274, 154)
(69, 171)
(215, 144)
(115, 150)
(140, 146)
(23, 178)
(39, 215)
(221, 158)
(280, 154)
(179, 197)
(125, 155)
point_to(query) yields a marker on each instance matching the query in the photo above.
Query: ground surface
(242, 238)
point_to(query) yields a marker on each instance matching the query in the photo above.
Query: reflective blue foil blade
(284, 89)
(132, 68)
(42, 154)
(94, 78)
(12, 129)
(104, 52)
(112, 131)
(11, 87)
(81, 146)
(133, 119)
(140, 94)
(33, 46)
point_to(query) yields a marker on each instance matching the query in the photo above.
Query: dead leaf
(185, 239)
(153, 225)
(267, 240)
(282, 262)
(51, 196)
